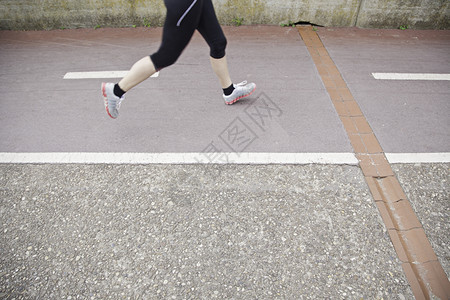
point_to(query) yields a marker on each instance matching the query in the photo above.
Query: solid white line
(211, 158)
(415, 158)
(178, 158)
(99, 74)
(293, 158)
(410, 76)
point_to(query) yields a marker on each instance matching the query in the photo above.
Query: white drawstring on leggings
(185, 13)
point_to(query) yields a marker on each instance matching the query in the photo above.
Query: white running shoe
(241, 90)
(112, 102)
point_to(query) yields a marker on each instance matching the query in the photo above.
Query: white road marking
(207, 158)
(99, 75)
(410, 76)
(415, 158)
(178, 158)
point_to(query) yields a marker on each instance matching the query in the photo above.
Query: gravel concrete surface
(193, 232)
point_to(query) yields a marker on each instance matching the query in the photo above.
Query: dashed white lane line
(410, 76)
(209, 158)
(178, 158)
(99, 75)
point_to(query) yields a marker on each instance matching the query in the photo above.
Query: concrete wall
(56, 14)
(420, 14)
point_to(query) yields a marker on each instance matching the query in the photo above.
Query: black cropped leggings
(182, 19)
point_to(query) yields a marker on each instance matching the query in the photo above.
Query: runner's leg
(139, 72)
(181, 22)
(210, 29)
(176, 36)
(212, 32)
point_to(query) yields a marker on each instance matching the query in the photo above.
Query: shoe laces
(243, 83)
(119, 102)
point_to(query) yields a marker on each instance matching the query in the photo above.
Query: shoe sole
(105, 99)
(239, 98)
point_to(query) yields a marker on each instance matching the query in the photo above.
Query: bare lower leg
(220, 67)
(139, 72)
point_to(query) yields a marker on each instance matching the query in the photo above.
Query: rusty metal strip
(420, 263)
